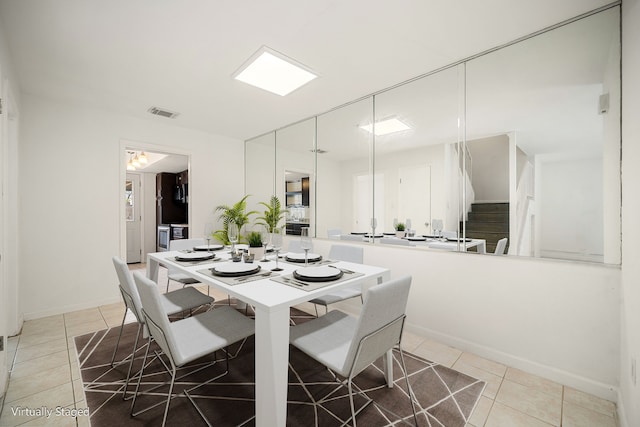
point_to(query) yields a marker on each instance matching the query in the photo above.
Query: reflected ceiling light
(387, 126)
(274, 72)
(135, 162)
(142, 158)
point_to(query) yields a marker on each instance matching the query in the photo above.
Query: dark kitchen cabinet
(170, 209)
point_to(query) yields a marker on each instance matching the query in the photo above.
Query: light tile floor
(44, 373)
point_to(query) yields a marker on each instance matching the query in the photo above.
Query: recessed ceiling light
(387, 126)
(274, 72)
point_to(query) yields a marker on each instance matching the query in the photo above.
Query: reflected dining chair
(501, 246)
(186, 340)
(342, 253)
(352, 237)
(172, 273)
(334, 233)
(174, 302)
(348, 345)
(396, 241)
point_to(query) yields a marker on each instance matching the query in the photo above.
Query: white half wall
(70, 187)
(555, 319)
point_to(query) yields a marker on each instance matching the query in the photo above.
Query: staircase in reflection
(489, 221)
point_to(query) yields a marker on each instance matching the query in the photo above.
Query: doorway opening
(156, 199)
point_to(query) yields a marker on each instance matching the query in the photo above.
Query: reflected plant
(273, 214)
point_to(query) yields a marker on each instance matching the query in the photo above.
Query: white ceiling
(127, 56)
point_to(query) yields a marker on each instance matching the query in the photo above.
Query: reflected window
(129, 200)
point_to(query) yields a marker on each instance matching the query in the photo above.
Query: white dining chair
(334, 233)
(174, 302)
(295, 246)
(186, 340)
(342, 253)
(347, 345)
(172, 273)
(352, 237)
(501, 246)
(396, 241)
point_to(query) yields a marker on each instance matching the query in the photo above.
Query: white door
(133, 217)
(414, 197)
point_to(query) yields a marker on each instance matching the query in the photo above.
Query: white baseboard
(587, 385)
(71, 307)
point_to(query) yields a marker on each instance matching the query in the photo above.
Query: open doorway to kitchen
(155, 190)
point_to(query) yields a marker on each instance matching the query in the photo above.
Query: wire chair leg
(166, 408)
(115, 350)
(353, 411)
(144, 361)
(409, 390)
(133, 354)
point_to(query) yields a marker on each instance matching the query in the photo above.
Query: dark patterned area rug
(444, 397)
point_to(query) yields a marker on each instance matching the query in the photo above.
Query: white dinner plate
(317, 274)
(194, 256)
(299, 257)
(208, 248)
(235, 269)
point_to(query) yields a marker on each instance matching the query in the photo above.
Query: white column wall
(70, 193)
(10, 321)
(629, 401)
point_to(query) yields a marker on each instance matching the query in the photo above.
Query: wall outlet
(633, 370)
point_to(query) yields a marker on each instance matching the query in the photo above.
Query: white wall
(629, 402)
(556, 319)
(569, 219)
(70, 197)
(490, 162)
(10, 320)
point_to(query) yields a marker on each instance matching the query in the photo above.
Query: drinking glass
(305, 243)
(208, 232)
(265, 236)
(374, 224)
(276, 241)
(232, 235)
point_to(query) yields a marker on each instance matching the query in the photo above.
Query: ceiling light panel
(274, 72)
(387, 126)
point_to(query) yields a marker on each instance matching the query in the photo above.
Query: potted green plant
(273, 214)
(400, 229)
(236, 213)
(254, 238)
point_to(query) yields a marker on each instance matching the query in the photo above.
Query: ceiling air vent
(163, 113)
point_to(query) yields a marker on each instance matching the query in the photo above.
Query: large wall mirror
(522, 143)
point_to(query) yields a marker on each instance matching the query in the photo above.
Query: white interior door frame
(135, 218)
(132, 145)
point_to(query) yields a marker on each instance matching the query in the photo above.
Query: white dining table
(272, 302)
(429, 242)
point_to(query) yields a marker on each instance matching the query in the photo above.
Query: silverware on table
(344, 270)
(294, 281)
(265, 274)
